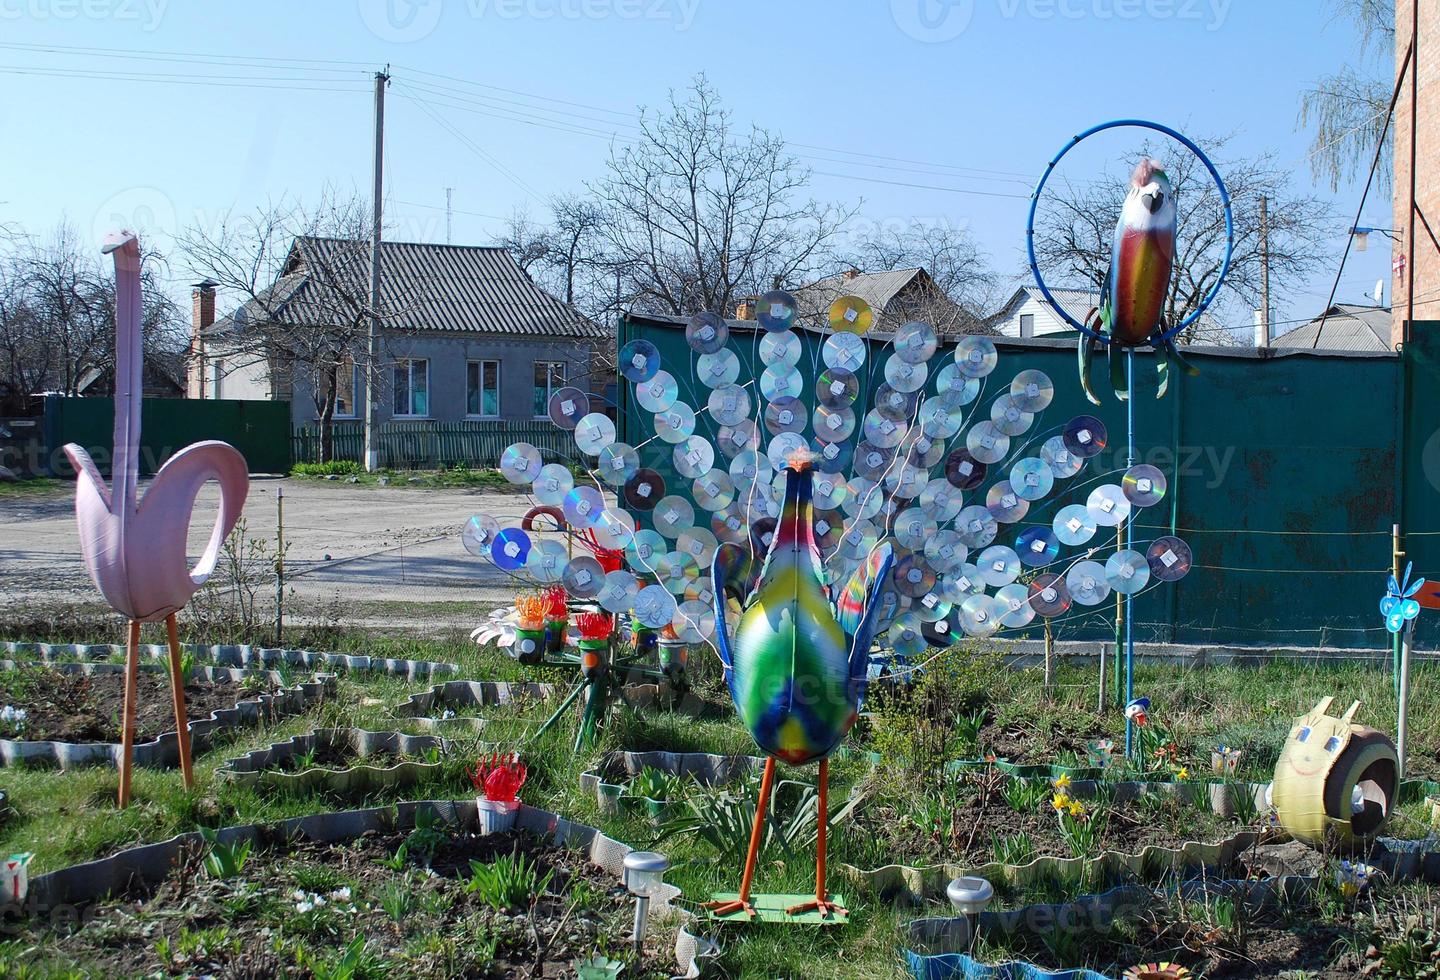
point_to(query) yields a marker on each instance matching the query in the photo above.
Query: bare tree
(1076, 225)
(1348, 109)
(964, 286)
(696, 215)
(302, 278)
(566, 256)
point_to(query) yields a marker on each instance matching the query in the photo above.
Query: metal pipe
(1129, 535)
(1403, 729)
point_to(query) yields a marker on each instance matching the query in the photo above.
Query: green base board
(771, 908)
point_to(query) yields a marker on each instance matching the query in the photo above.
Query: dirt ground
(381, 548)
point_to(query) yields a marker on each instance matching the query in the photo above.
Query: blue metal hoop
(1224, 199)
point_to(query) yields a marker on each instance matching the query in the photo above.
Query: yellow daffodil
(1060, 801)
(1077, 809)
(1183, 774)
(1061, 782)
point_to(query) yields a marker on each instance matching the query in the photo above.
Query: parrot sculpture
(796, 665)
(1137, 285)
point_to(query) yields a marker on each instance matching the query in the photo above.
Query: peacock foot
(720, 909)
(826, 908)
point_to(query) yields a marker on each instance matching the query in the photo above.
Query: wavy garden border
(426, 709)
(163, 752)
(239, 655)
(149, 864)
(258, 769)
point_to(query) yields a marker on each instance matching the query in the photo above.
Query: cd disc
(1085, 436)
(1127, 572)
(1085, 581)
(672, 515)
(976, 356)
(762, 534)
(645, 547)
(694, 622)
(780, 348)
(729, 524)
(864, 500)
(639, 360)
(827, 531)
(1169, 558)
(950, 381)
(713, 490)
(850, 314)
(940, 500)
(882, 432)
(699, 545)
(617, 463)
(675, 424)
(976, 526)
(552, 483)
(1049, 595)
(1037, 546)
(905, 482)
(701, 589)
(478, 534)
(546, 561)
(582, 507)
(828, 491)
(987, 443)
(834, 456)
(706, 333)
(913, 577)
(749, 468)
(568, 406)
(1008, 418)
(614, 529)
(999, 565)
(980, 615)
(942, 633)
(1073, 524)
(654, 606)
(694, 457)
(776, 310)
(857, 540)
(718, 369)
(905, 636)
(1004, 504)
(583, 577)
(1015, 608)
(1107, 505)
(930, 607)
(915, 342)
(593, 433)
(743, 436)
(1063, 463)
(834, 424)
(659, 393)
(897, 406)
(941, 416)
(785, 447)
(843, 351)
(618, 591)
(779, 380)
(945, 551)
(510, 548)
(520, 463)
(913, 527)
(921, 450)
(1032, 391)
(644, 488)
(837, 388)
(904, 376)
(674, 569)
(871, 461)
(1032, 478)
(963, 470)
(966, 583)
(1144, 485)
(785, 414)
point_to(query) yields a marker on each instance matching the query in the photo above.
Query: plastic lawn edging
(258, 769)
(237, 655)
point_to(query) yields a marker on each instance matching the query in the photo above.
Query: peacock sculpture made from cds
(867, 497)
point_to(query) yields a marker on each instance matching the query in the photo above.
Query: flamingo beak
(117, 240)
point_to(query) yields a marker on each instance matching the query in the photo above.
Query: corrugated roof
(455, 288)
(1346, 327)
(878, 289)
(1077, 302)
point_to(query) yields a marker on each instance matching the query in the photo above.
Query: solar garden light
(644, 875)
(969, 896)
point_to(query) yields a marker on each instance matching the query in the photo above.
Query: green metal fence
(435, 445)
(1283, 477)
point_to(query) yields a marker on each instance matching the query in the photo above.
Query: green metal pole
(569, 700)
(595, 705)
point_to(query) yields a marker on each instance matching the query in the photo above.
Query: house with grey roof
(1344, 326)
(896, 296)
(1027, 314)
(465, 335)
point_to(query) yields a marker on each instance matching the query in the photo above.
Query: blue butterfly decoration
(1397, 607)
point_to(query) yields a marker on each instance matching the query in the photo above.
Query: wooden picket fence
(437, 445)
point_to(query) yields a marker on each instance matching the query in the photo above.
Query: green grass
(68, 817)
(39, 486)
(453, 477)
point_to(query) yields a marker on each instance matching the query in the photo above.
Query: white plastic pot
(496, 816)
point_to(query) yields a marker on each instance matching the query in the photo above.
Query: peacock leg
(742, 904)
(1118, 379)
(822, 903)
(1085, 351)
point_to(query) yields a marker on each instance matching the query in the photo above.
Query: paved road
(368, 544)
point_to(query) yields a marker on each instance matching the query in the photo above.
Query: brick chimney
(851, 273)
(745, 309)
(202, 315)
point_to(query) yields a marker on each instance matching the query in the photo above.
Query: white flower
(319, 901)
(303, 907)
(298, 895)
(447, 713)
(340, 894)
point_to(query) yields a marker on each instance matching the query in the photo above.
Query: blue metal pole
(1130, 746)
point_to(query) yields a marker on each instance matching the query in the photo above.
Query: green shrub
(336, 467)
(508, 882)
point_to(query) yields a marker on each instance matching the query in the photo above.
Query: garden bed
(340, 760)
(235, 655)
(462, 705)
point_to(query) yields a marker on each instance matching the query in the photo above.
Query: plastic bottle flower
(500, 778)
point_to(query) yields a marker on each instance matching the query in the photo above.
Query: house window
(348, 395)
(1027, 324)
(482, 388)
(412, 388)
(217, 375)
(549, 377)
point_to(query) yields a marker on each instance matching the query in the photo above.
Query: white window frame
(550, 386)
(409, 363)
(357, 396)
(481, 362)
(1020, 325)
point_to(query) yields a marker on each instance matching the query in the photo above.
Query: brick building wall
(1425, 276)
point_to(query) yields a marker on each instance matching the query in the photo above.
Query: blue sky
(975, 94)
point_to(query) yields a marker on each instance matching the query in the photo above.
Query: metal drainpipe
(1171, 601)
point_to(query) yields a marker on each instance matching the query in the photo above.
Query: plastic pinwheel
(1398, 607)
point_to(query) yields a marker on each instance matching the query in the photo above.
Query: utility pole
(449, 200)
(1264, 271)
(372, 375)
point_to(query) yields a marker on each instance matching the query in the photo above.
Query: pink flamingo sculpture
(135, 550)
